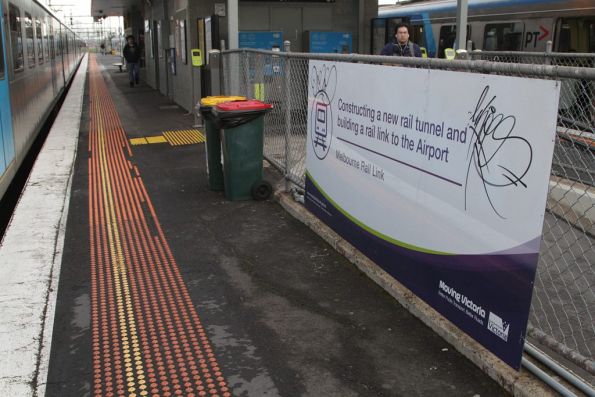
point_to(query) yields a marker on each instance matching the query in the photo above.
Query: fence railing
(563, 303)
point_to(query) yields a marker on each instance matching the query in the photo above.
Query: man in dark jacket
(132, 55)
(402, 46)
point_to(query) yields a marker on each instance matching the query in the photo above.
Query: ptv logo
(534, 37)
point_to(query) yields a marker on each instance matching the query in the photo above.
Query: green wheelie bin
(242, 125)
(213, 144)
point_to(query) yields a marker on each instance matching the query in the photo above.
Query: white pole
(232, 24)
(461, 42)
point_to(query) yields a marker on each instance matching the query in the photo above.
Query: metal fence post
(548, 51)
(246, 72)
(287, 89)
(469, 46)
(215, 72)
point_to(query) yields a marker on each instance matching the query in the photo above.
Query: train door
(576, 98)
(52, 48)
(447, 36)
(6, 137)
(61, 48)
(575, 35)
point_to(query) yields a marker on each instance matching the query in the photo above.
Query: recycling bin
(241, 124)
(213, 144)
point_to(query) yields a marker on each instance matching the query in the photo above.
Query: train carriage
(493, 25)
(39, 57)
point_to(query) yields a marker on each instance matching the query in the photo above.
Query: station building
(172, 30)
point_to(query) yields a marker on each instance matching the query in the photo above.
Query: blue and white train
(39, 56)
(493, 25)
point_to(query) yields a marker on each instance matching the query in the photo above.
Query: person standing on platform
(402, 46)
(132, 55)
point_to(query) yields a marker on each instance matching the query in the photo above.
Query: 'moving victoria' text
(462, 299)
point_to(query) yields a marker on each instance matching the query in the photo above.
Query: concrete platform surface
(284, 313)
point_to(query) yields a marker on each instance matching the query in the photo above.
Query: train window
(39, 37)
(592, 36)
(448, 37)
(30, 40)
(16, 37)
(503, 36)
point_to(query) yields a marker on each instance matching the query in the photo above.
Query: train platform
(122, 274)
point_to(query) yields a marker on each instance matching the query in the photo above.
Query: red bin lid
(240, 106)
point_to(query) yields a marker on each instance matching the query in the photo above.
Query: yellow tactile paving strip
(147, 338)
(174, 138)
(184, 137)
(156, 139)
(138, 141)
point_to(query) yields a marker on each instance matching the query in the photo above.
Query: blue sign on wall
(330, 42)
(261, 40)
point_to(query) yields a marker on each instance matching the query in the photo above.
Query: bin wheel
(261, 190)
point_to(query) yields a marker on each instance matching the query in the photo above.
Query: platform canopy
(111, 8)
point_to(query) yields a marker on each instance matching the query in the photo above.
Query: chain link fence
(563, 303)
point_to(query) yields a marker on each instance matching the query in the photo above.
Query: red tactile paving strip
(147, 337)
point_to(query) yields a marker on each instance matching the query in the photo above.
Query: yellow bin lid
(216, 100)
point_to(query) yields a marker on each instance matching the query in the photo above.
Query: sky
(82, 22)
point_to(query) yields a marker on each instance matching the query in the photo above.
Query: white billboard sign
(440, 173)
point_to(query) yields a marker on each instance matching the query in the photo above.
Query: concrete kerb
(521, 384)
(31, 254)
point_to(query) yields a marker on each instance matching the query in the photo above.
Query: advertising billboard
(440, 178)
